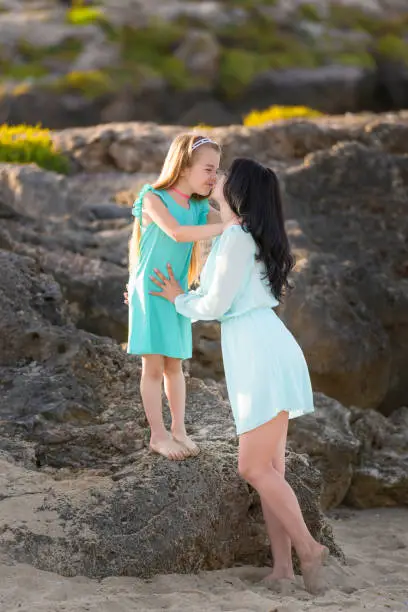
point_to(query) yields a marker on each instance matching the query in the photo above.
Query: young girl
(170, 217)
(267, 377)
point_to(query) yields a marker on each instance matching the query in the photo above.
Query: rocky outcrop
(351, 203)
(362, 455)
(344, 184)
(198, 62)
(72, 452)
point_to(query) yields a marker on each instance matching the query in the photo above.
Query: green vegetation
(309, 12)
(361, 59)
(150, 51)
(34, 59)
(24, 145)
(247, 49)
(66, 51)
(238, 69)
(19, 72)
(392, 47)
(91, 84)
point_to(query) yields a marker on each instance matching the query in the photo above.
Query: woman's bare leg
(175, 389)
(256, 451)
(151, 390)
(280, 541)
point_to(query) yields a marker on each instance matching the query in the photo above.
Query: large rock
(346, 347)
(72, 443)
(316, 88)
(328, 439)
(345, 208)
(352, 202)
(362, 455)
(381, 478)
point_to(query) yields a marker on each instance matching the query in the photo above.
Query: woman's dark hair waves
(252, 191)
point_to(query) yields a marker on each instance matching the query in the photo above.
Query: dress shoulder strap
(138, 203)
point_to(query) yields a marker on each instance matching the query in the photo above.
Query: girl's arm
(235, 254)
(159, 214)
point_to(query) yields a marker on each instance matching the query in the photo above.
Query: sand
(375, 579)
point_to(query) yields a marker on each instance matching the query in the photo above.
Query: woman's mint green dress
(155, 327)
(265, 369)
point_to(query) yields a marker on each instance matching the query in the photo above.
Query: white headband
(201, 142)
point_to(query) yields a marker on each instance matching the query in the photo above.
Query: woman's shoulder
(237, 236)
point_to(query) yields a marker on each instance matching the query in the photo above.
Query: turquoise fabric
(155, 327)
(265, 369)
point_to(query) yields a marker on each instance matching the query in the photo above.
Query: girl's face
(202, 175)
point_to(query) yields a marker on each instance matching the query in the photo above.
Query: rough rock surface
(72, 445)
(344, 182)
(362, 455)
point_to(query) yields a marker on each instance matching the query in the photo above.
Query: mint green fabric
(155, 327)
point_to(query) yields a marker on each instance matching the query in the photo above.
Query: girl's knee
(152, 367)
(172, 366)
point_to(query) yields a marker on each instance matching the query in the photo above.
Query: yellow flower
(279, 113)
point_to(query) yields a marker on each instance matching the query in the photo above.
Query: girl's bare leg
(257, 449)
(175, 389)
(151, 390)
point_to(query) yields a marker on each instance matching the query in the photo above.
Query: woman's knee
(279, 465)
(172, 366)
(252, 471)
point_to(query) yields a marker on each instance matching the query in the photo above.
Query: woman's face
(218, 195)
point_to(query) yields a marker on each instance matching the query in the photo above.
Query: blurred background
(78, 63)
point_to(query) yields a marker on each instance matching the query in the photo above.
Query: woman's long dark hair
(252, 191)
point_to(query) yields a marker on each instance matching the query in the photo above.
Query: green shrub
(309, 12)
(392, 47)
(25, 144)
(238, 68)
(91, 84)
(20, 72)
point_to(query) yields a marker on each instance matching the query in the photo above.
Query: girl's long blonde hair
(179, 157)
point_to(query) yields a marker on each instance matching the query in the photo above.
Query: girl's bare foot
(187, 443)
(312, 570)
(169, 448)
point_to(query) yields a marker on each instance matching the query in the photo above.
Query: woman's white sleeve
(232, 261)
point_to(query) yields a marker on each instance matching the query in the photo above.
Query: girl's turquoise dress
(265, 369)
(155, 327)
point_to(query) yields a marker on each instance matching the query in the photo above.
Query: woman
(267, 377)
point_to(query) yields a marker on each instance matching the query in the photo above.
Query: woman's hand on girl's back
(126, 296)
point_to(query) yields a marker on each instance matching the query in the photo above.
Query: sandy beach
(375, 580)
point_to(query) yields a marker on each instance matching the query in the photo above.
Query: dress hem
(141, 354)
(293, 414)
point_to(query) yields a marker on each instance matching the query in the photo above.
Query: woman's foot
(169, 448)
(282, 584)
(187, 443)
(312, 570)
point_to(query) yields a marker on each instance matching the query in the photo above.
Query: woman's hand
(126, 296)
(170, 287)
